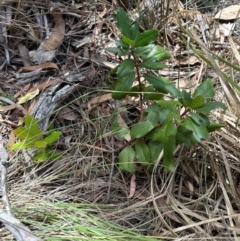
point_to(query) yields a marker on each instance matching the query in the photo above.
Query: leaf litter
(200, 200)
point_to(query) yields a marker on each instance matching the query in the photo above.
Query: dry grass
(199, 201)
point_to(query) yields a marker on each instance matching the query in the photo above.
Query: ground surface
(199, 201)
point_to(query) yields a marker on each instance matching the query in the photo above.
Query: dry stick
(111, 172)
(19, 231)
(3, 168)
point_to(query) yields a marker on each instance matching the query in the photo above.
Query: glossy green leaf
(134, 30)
(153, 117)
(122, 86)
(185, 98)
(123, 22)
(141, 129)
(142, 152)
(126, 68)
(126, 159)
(185, 136)
(143, 51)
(158, 53)
(123, 45)
(214, 126)
(163, 133)
(205, 89)
(197, 102)
(116, 50)
(200, 118)
(147, 37)
(115, 127)
(52, 137)
(168, 156)
(209, 106)
(162, 84)
(151, 94)
(199, 131)
(155, 149)
(169, 104)
(128, 40)
(148, 64)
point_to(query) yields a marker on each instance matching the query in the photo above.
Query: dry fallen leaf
(67, 114)
(99, 99)
(123, 124)
(132, 185)
(28, 96)
(57, 34)
(229, 13)
(48, 65)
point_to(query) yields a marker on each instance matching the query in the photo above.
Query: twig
(19, 231)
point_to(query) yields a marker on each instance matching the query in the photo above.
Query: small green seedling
(33, 137)
(173, 116)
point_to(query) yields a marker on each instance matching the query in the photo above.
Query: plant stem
(140, 87)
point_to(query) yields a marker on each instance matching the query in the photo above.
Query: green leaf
(52, 137)
(163, 133)
(142, 152)
(116, 50)
(200, 118)
(126, 68)
(41, 144)
(168, 156)
(154, 148)
(199, 131)
(128, 40)
(205, 89)
(122, 86)
(158, 53)
(123, 22)
(146, 38)
(23, 133)
(197, 102)
(162, 84)
(135, 33)
(151, 94)
(184, 136)
(209, 106)
(148, 64)
(169, 104)
(126, 159)
(214, 126)
(32, 125)
(153, 117)
(141, 129)
(40, 156)
(22, 145)
(123, 45)
(185, 98)
(143, 51)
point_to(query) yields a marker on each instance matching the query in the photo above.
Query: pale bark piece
(24, 55)
(229, 13)
(42, 56)
(52, 97)
(19, 231)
